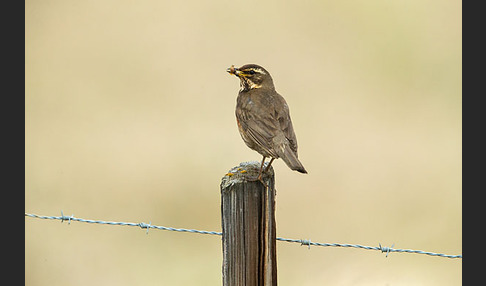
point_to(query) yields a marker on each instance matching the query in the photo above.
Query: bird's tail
(290, 158)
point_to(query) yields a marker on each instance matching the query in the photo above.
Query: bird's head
(252, 76)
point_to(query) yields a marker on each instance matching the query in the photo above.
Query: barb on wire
(306, 242)
(141, 224)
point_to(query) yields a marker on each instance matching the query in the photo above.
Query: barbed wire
(307, 242)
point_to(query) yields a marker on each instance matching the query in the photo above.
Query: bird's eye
(251, 72)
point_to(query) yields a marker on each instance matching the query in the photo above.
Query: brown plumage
(263, 117)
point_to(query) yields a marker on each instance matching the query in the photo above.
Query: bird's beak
(233, 70)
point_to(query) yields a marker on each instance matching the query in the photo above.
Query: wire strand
(306, 242)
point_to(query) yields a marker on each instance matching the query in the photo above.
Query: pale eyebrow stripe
(258, 70)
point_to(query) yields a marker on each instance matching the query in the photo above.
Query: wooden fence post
(249, 231)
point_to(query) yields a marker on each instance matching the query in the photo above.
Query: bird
(263, 118)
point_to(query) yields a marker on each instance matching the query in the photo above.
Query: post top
(246, 171)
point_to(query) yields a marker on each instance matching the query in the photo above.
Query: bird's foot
(258, 178)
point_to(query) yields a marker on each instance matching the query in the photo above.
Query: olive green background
(130, 117)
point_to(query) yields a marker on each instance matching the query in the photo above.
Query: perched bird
(263, 118)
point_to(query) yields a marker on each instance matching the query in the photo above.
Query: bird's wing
(283, 117)
(259, 123)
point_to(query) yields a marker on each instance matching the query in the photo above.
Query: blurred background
(130, 117)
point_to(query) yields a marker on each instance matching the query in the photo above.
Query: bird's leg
(260, 173)
(268, 166)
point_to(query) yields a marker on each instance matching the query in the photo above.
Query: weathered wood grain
(249, 230)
